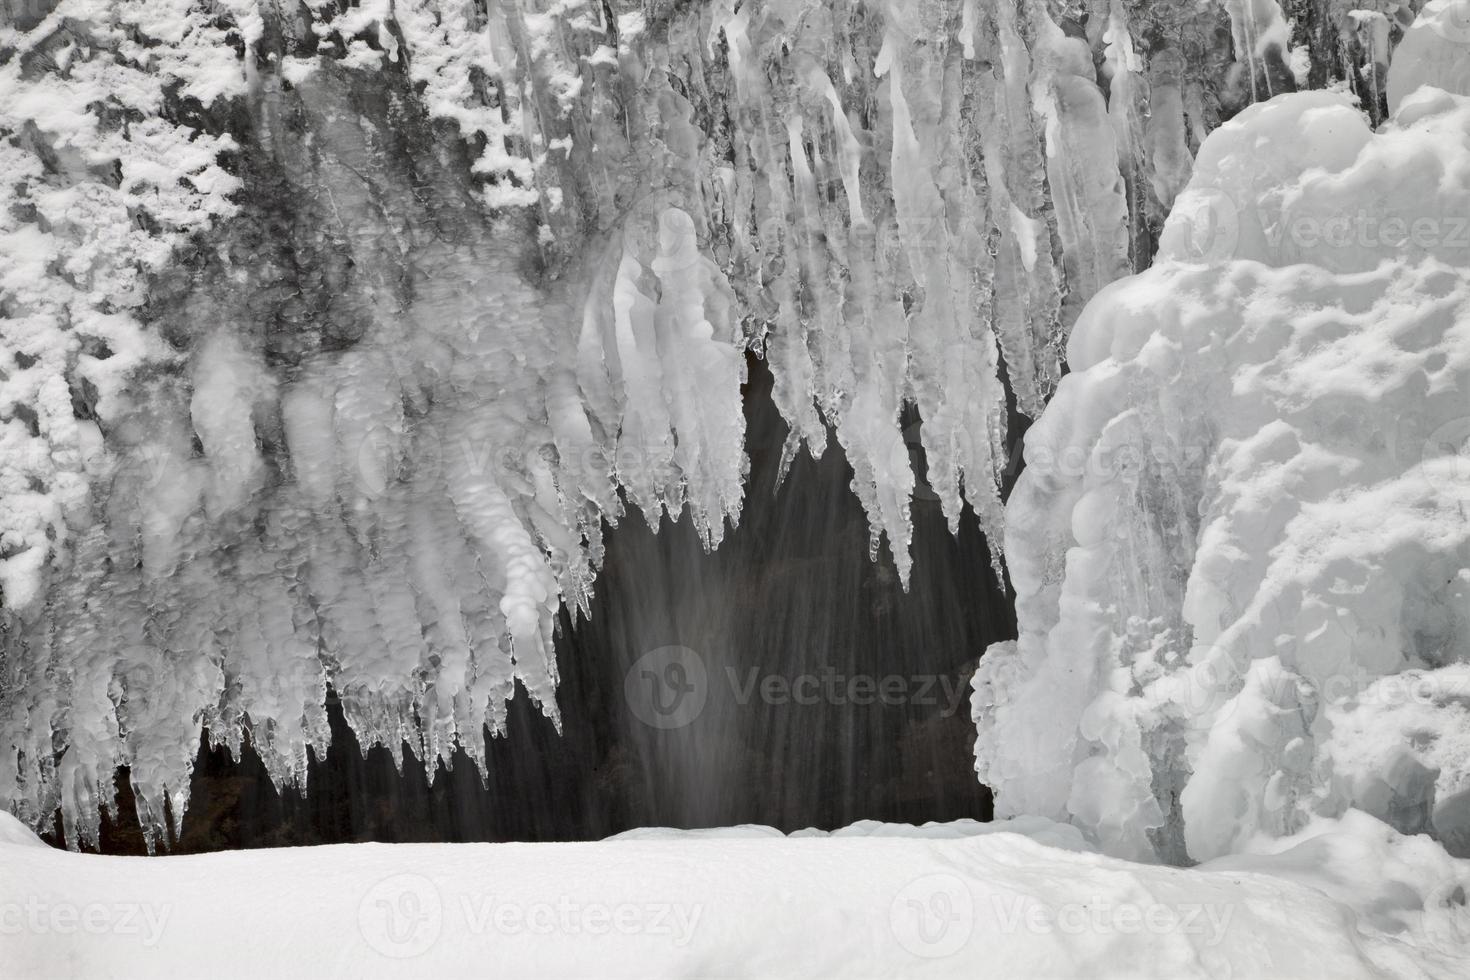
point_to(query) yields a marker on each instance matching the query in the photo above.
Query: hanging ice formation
(329, 333)
(1240, 547)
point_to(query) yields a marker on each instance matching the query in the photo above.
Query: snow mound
(1363, 902)
(745, 831)
(1406, 887)
(1242, 527)
(12, 831)
(1039, 829)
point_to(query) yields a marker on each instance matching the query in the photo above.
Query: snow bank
(1039, 829)
(1354, 901)
(1240, 545)
(13, 832)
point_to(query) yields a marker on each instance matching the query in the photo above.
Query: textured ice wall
(1241, 546)
(330, 332)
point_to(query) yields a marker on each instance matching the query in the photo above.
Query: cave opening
(826, 693)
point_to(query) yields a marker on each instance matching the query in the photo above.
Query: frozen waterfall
(331, 334)
(1240, 545)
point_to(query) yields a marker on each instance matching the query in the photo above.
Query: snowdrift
(959, 900)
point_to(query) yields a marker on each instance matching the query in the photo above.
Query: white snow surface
(1347, 900)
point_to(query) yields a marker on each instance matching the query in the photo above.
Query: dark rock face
(25, 14)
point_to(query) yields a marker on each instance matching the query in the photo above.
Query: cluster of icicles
(896, 204)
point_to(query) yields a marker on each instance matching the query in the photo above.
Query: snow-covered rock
(1241, 540)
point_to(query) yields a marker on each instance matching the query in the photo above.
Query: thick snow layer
(1350, 900)
(1240, 546)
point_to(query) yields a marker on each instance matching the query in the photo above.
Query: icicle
(1026, 294)
(1260, 35)
(703, 377)
(1082, 166)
